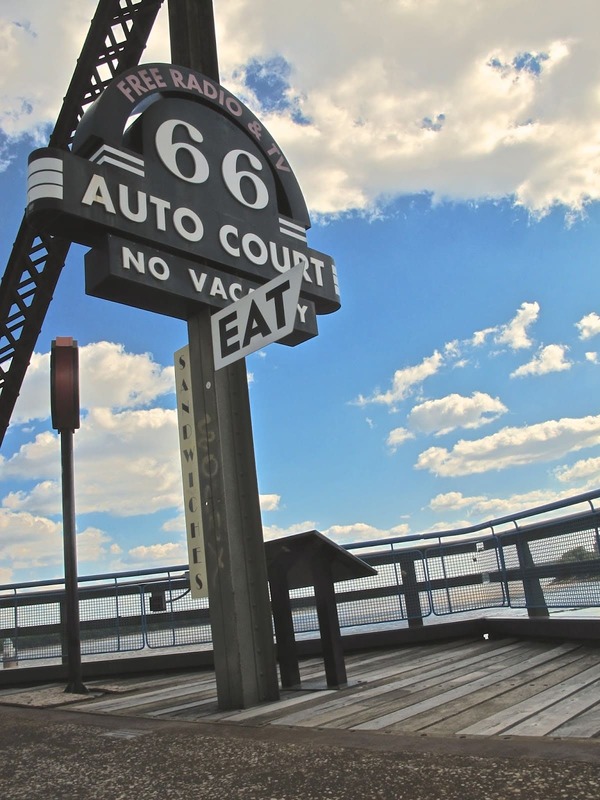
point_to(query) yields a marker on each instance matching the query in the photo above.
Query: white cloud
(587, 470)
(34, 400)
(108, 376)
(549, 359)
(397, 437)
(400, 105)
(114, 378)
(6, 575)
(479, 337)
(514, 333)
(446, 414)
(362, 532)
(511, 447)
(34, 459)
(342, 534)
(127, 463)
(174, 525)
(588, 326)
(452, 501)
(490, 507)
(445, 527)
(269, 502)
(29, 540)
(468, 412)
(504, 106)
(93, 545)
(592, 357)
(405, 381)
(31, 92)
(166, 553)
(455, 411)
(34, 541)
(276, 532)
(127, 460)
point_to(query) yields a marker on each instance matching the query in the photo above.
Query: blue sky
(452, 171)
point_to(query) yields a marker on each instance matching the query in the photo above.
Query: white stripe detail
(335, 280)
(293, 235)
(106, 148)
(44, 176)
(111, 155)
(127, 167)
(291, 229)
(45, 179)
(289, 224)
(45, 190)
(39, 164)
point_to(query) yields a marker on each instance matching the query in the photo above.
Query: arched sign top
(131, 92)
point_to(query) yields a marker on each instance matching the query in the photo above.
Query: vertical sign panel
(191, 479)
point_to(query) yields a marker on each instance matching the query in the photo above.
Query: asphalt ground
(54, 754)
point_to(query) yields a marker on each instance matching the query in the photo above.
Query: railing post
(534, 595)
(62, 605)
(10, 644)
(414, 613)
(445, 574)
(501, 561)
(398, 580)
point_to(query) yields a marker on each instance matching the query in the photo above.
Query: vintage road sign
(265, 316)
(182, 193)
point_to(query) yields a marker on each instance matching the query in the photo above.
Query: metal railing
(552, 563)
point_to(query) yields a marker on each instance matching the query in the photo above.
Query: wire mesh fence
(547, 565)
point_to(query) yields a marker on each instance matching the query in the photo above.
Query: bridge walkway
(469, 688)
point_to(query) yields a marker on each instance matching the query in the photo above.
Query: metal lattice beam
(116, 39)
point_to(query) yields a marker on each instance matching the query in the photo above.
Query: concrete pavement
(56, 754)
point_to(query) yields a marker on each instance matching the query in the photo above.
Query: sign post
(240, 610)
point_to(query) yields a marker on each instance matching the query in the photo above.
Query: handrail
(535, 568)
(532, 512)
(439, 535)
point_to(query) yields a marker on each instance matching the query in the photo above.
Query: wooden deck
(469, 688)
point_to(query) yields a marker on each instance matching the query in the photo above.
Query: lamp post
(64, 397)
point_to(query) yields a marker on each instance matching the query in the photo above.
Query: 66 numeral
(232, 166)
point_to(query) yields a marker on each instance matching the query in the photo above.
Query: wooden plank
(419, 691)
(444, 664)
(453, 694)
(559, 713)
(490, 700)
(271, 709)
(456, 657)
(134, 684)
(587, 725)
(344, 706)
(506, 720)
(175, 710)
(365, 664)
(135, 701)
